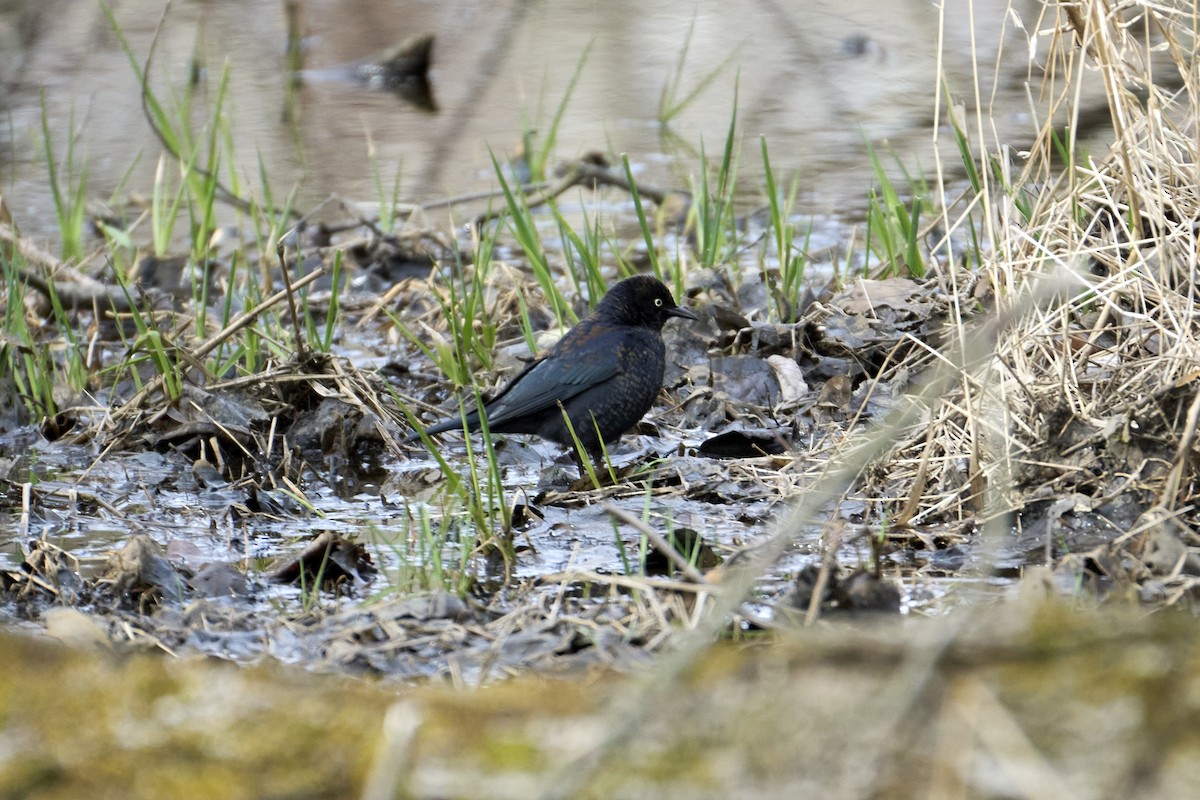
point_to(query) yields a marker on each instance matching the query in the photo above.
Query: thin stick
(656, 539)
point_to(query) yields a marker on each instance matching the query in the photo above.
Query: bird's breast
(644, 353)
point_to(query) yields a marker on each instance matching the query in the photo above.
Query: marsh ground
(942, 343)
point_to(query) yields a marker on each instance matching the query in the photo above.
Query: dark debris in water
(328, 562)
(857, 591)
(738, 442)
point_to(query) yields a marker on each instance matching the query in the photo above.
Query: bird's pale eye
(658, 302)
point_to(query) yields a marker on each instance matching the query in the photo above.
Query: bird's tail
(470, 420)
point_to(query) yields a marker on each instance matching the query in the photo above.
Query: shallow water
(814, 78)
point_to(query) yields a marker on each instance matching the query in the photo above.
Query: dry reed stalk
(1100, 343)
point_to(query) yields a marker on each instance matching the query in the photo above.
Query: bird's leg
(577, 457)
(600, 465)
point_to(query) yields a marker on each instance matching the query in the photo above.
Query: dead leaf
(791, 380)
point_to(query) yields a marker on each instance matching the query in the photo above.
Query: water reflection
(814, 77)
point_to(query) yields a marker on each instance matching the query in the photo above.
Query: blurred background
(817, 78)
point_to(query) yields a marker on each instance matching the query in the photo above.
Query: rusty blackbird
(605, 373)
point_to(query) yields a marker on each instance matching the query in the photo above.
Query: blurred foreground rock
(997, 702)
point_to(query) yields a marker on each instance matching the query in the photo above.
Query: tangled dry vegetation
(1070, 419)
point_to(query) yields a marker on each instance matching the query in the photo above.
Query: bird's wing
(563, 373)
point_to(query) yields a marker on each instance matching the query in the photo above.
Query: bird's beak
(679, 311)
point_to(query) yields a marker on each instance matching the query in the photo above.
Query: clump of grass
(586, 464)
(669, 271)
(26, 359)
(68, 186)
(486, 503)
(524, 229)
(893, 225)
(193, 193)
(321, 335)
(538, 157)
(1090, 265)
(200, 158)
(472, 332)
(471, 492)
(204, 184)
(712, 214)
(387, 198)
(434, 556)
(45, 361)
(583, 254)
(785, 285)
(478, 496)
(166, 204)
(643, 223)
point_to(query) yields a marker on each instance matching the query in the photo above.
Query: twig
(656, 539)
(301, 349)
(574, 174)
(86, 293)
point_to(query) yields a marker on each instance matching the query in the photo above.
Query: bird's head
(641, 300)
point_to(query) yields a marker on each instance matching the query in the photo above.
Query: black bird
(605, 373)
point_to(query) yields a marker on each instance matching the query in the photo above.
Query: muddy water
(815, 78)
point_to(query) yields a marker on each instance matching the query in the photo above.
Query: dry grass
(1088, 387)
